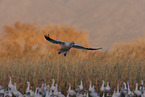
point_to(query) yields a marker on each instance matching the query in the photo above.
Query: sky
(107, 21)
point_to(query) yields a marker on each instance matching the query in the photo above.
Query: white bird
(10, 85)
(129, 91)
(125, 88)
(36, 94)
(90, 87)
(136, 91)
(107, 88)
(67, 95)
(8, 94)
(28, 88)
(49, 93)
(2, 90)
(123, 91)
(71, 92)
(102, 87)
(15, 92)
(81, 85)
(66, 46)
(94, 94)
(55, 93)
(118, 93)
(52, 86)
(28, 91)
(141, 86)
(114, 94)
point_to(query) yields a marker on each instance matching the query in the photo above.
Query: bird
(90, 87)
(66, 46)
(71, 92)
(102, 87)
(81, 85)
(137, 92)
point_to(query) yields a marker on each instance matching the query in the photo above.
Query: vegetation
(27, 56)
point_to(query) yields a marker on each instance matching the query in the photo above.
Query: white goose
(125, 88)
(15, 92)
(71, 92)
(36, 94)
(8, 94)
(52, 86)
(107, 88)
(81, 85)
(66, 46)
(55, 93)
(114, 93)
(28, 88)
(141, 86)
(136, 91)
(28, 91)
(10, 85)
(118, 93)
(94, 94)
(2, 90)
(48, 93)
(59, 93)
(129, 91)
(123, 91)
(102, 87)
(90, 87)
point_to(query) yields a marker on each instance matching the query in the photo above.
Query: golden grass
(27, 56)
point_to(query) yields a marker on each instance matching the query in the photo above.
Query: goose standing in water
(66, 46)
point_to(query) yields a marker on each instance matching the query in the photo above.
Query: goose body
(107, 88)
(90, 87)
(137, 92)
(66, 46)
(81, 85)
(71, 92)
(102, 87)
(52, 86)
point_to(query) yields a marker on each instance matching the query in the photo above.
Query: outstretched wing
(53, 41)
(83, 47)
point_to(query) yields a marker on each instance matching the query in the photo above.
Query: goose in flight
(66, 46)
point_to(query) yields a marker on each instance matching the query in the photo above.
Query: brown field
(27, 56)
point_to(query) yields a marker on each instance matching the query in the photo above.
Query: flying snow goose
(66, 46)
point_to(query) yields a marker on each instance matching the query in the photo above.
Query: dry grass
(27, 56)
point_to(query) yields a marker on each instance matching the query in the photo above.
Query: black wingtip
(47, 37)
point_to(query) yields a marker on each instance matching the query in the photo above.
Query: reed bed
(32, 58)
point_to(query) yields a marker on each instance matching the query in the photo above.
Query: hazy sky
(107, 21)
